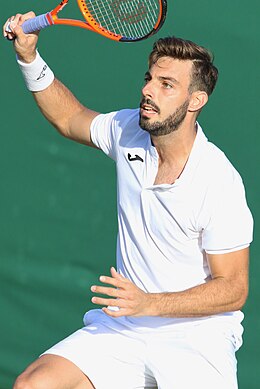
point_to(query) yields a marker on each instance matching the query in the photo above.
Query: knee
(21, 382)
(25, 381)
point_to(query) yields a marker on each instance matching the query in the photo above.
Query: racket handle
(37, 23)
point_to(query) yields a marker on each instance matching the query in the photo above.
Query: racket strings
(130, 18)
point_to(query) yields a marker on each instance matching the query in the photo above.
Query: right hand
(24, 44)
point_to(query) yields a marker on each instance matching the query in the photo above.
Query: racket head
(124, 20)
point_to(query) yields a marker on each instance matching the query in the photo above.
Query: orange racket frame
(51, 18)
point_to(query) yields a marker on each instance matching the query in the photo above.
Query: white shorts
(115, 355)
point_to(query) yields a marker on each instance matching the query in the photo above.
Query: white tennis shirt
(165, 230)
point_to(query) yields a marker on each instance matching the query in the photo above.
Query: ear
(198, 100)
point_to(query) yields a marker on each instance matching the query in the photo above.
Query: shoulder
(120, 118)
(218, 166)
(216, 178)
(111, 131)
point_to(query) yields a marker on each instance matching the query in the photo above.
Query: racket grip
(37, 23)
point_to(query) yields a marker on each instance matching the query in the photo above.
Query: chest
(168, 174)
(153, 196)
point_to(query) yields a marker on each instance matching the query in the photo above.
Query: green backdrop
(57, 208)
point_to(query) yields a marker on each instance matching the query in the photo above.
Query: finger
(15, 20)
(19, 19)
(118, 313)
(26, 16)
(116, 275)
(10, 29)
(16, 24)
(112, 281)
(6, 27)
(106, 301)
(107, 291)
(7, 31)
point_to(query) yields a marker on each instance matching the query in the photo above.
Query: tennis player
(172, 308)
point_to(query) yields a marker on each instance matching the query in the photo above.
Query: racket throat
(50, 18)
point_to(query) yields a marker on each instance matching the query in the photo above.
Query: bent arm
(65, 112)
(226, 291)
(55, 101)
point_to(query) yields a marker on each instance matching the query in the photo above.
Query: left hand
(130, 299)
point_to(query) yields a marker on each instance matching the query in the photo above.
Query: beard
(170, 124)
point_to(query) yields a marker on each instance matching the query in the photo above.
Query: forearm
(55, 101)
(216, 296)
(220, 294)
(61, 108)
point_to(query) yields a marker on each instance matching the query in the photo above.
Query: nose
(147, 90)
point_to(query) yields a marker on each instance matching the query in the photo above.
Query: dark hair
(204, 74)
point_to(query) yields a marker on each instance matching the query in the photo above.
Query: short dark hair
(204, 74)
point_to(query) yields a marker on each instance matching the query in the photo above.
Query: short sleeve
(229, 223)
(103, 132)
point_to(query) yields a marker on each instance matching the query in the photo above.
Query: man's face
(166, 96)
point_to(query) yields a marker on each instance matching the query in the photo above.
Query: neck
(176, 146)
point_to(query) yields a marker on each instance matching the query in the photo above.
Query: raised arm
(56, 102)
(65, 112)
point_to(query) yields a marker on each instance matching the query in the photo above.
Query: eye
(166, 85)
(147, 79)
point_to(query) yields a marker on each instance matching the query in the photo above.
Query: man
(171, 316)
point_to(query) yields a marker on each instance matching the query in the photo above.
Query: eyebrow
(172, 79)
(163, 78)
(147, 74)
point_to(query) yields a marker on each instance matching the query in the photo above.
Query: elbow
(62, 125)
(241, 299)
(62, 128)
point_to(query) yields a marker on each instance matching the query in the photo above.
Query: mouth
(148, 109)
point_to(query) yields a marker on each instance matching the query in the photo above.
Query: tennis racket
(119, 20)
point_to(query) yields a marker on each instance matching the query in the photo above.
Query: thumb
(13, 27)
(16, 29)
(115, 274)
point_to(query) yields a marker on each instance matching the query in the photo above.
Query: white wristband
(37, 74)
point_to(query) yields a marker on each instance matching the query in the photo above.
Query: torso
(168, 174)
